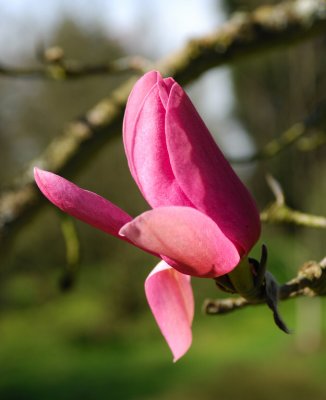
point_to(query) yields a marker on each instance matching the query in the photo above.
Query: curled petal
(175, 161)
(205, 176)
(145, 142)
(82, 204)
(133, 107)
(170, 298)
(188, 237)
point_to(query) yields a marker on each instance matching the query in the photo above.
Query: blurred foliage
(274, 92)
(37, 110)
(99, 340)
(232, 6)
(79, 346)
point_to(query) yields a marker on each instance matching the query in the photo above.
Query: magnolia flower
(203, 221)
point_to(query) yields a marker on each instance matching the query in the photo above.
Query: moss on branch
(245, 34)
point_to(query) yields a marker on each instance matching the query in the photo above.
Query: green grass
(77, 346)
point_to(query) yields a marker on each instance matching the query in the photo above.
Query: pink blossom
(203, 220)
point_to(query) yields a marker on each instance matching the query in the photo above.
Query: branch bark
(279, 212)
(246, 34)
(314, 126)
(243, 35)
(310, 281)
(60, 69)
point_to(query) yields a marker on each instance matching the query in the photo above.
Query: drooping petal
(187, 236)
(145, 142)
(205, 176)
(170, 298)
(82, 204)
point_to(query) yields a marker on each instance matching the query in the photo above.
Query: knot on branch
(316, 275)
(254, 283)
(310, 281)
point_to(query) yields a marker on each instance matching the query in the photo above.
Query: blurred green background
(99, 340)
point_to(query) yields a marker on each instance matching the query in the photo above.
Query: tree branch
(279, 212)
(246, 34)
(243, 35)
(59, 69)
(314, 124)
(310, 281)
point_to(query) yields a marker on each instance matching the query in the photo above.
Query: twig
(246, 34)
(296, 134)
(61, 69)
(316, 140)
(279, 212)
(310, 281)
(243, 35)
(70, 237)
(276, 214)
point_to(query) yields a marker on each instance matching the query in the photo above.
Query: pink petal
(82, 204)
(134, 105)
(175, 161)
(205, 176)
(170, 298)
(188, 237)
(145, 143)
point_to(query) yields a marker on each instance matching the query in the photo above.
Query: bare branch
(276, 189)
(283, 214)
(310, 281)
(245, 34)
(314, 126)
(59, 70)
(279, 212)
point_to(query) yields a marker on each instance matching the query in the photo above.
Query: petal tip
(131, 230)
(177, 353)
(40, 179)
(37, 171)
(169, 295)
(124, 230)
(41, 176)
